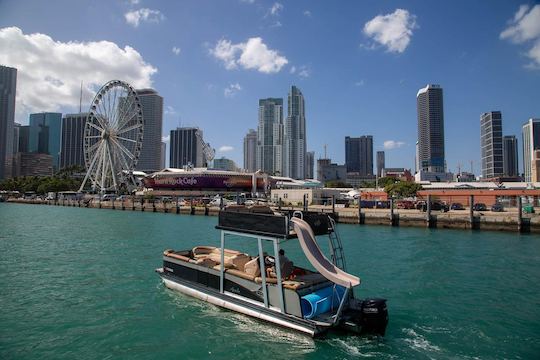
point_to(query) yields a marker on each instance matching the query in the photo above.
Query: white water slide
(313, 252)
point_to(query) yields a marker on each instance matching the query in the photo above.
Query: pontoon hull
(239, 305)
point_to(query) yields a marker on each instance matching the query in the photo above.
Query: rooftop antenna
(325, 151)
(80, 100)
(459, 168)
(472, 170)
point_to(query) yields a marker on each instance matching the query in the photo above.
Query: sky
(359, 65)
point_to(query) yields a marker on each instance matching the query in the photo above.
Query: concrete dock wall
(505, 221)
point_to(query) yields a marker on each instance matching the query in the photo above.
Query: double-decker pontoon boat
(300, 299)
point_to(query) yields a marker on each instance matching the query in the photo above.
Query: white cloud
(525, 26)
(253, 54)
(247, 1)
(276, 9)
(134, 2)
(292, 70)
(359, 83)
(231, 90)
(166, 138)
(394, 31)
(50, 72)
(176, 50)
(135, 17)
(304, 72)
(391, 144)
(169, 110)
(307, 13)
(226, 148)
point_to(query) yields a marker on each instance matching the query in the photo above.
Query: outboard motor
(374, 316)
(366, 316)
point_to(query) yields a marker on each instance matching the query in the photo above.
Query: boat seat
(178, 257)
(252, 267)
(241, 274)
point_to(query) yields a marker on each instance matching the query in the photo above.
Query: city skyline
(216, 74)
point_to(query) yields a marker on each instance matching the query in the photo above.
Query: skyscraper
(163, 155)
(359, 154)
(380, 162)
(72, 148)
(491, 144)
(224, 164)
(185, 148)
(8, 87)
(270, 136)
(531, 142)
(152, 106)
(46, 135)
(510, 156)
(429, 103)
(250, 151)
(310, 164)
(295, 136)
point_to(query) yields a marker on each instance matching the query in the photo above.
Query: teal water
(80, 283)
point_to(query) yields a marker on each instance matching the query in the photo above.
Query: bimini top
(261, 220)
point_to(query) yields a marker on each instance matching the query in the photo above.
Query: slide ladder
(338, 258)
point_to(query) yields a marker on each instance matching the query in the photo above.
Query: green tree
(402, 189)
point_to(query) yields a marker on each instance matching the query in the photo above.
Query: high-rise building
(225, 164)
(380, 163)
(491, 144)
(72, 148)
(270, 136)
(8, 87)
(321, 164)
(163, 155)
(185, 148)
(16, 136)
(250, 151)
(294, 159)
(359, 154)
(510, 156)
(46, 135)
(531, 142)
(24, 139)
(310, 164)
(32, 164)
(429, 102)
(152, 107)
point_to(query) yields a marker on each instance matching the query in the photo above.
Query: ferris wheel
(113, 137)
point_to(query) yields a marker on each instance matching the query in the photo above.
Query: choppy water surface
(80, 283)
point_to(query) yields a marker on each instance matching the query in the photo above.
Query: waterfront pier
(511, 220)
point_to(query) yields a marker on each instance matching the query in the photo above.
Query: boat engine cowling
(368, 316)
(374, 316)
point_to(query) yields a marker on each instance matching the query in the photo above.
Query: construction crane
(208, 151)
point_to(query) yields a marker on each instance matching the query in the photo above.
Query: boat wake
(365, 347)
(418, 341)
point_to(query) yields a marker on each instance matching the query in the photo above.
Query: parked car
(457, 206)
(436, 206)
(479, 207)
(405, 204)
(108, 197)
(497, 207)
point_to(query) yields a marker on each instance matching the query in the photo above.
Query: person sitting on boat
(286, 266)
